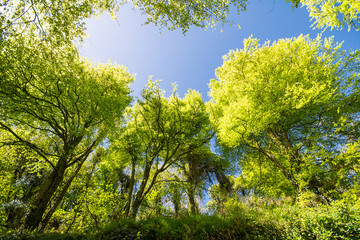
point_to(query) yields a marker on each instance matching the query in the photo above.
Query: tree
(20, 175)
(158, 131)
(285, 101)
(195, 167)
(49, 92)
(261, 177)
(92, 200)
(62, 21)
(199, 169)
(334, 13)
(65, 19)
(182, 14)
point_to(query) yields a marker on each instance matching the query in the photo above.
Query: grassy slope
(337, 221)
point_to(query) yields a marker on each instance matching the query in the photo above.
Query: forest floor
(338, 220)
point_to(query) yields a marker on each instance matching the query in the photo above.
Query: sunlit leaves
(334, 14)
(50, 19)
(258, 87)
(182, 14)
(49, 92)
(157, 132)
(283, 101)
(45, 85)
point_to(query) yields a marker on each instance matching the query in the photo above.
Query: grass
(335, 221)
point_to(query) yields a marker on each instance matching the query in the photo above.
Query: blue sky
(190, 60)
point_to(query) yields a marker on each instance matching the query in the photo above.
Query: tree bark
(143, 191)
(131, 189)
(59, 198)
(190, 191)
(43, 197)
(139, 195)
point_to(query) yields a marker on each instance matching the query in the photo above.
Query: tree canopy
(286, 101)
(180, 14)
(334, 14)
(158, 132)
(51, 93)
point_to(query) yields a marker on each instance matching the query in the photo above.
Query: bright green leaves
(64, 20)
(181, 14)
(50, 19)
(45, 86)
(259, 87)
(293, 103)
(60, 107)
(334, 13)
(167, 120)
(157, 133)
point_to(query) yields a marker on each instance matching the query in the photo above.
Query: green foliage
(338, 220)
(191, 227)
(286, 113)
(43, 87)
(282, 102)
(181, 14)
(262, 178)
(260, 86)
(45, 236)
(92, 201)
(49, 92)
(335, 221)
(245, 218)
(58, 21)
(334, 13)
(20, 173)
(64, 20)
(157, 133)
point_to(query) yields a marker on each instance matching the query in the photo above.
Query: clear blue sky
(190, 60)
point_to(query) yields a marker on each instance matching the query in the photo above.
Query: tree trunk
(223, 180)
(192, 178)
(176, 200)
(190, 191)
(59, 198)
(130, 190)
(139, 195)
(158, 204)
(43, 197)
(176, 208)
(135, 207)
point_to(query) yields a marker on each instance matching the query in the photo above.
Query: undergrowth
(335, 221)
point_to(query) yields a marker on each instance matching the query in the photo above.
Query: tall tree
(195, 167)
(158, 131)
(285, 101)
(52, 93)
